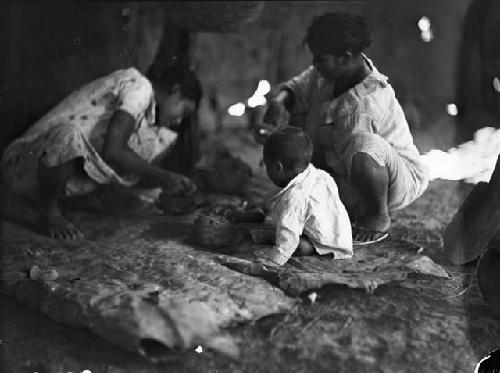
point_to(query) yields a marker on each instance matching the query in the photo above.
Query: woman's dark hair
(166, 76)
(291, 146)
(338, 33)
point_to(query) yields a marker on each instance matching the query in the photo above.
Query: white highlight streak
(496, 84)
(427, 36)
(472, 161)
(263, 88)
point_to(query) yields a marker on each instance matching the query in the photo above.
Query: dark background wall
(49, 49)
(423, 74)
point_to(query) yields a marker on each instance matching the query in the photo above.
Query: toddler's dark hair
(291, 146)
(338, 33)
(165, 77)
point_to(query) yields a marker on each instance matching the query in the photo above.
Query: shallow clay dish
(177, 205)
(212, 228)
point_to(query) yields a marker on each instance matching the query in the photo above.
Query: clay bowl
(214, 228)
(177, 205)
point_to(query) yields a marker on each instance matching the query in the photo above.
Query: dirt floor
(422, 324)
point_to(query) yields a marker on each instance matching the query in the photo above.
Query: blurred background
(441, 56)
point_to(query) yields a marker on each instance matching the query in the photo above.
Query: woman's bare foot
(371, 228)
(58, 227)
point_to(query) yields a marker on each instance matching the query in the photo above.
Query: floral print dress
(76, 128)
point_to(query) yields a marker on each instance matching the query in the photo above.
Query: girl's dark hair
(338, 33)
(166, 76)
(291, 146)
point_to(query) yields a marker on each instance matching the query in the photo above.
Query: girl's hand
(174, 184)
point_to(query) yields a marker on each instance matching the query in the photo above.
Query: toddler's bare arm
(263, 236)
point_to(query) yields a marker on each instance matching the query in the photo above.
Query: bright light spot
(496, 84)
(424, 24)
(237, 110)
(86, 371)
(427, 36)
(256, 101)
(426, 33)
(263, 88)
(258, 98)
(312, 297)
(452, 109)
(199, 349)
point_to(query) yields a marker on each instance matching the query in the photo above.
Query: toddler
(310, 217)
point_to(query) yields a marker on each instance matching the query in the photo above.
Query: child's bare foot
(56, 226)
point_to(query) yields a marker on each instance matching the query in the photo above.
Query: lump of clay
(46, 275)
(35, 273)
(241, 214)
(177, 205)
(227, 175)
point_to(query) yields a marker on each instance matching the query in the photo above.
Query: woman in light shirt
(359, 130)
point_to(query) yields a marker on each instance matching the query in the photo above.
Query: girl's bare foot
(56, 226)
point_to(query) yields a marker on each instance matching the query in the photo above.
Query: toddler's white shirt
(310, 205)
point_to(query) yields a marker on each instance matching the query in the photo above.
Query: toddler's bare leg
(305, 247)
(263, 236)
(52, 183)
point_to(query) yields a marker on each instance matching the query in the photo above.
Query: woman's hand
(276, 114)
(174, 184)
